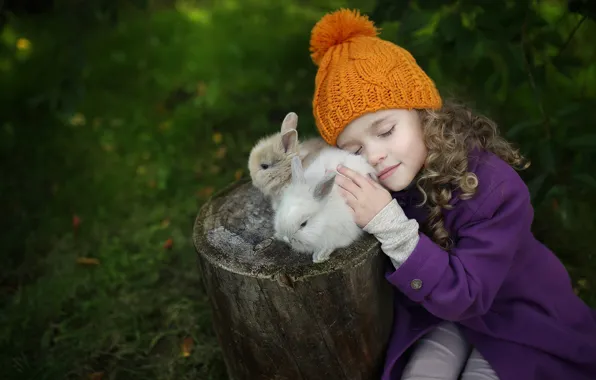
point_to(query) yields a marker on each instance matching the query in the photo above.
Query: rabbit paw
(322, 255)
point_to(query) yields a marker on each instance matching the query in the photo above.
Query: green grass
(170, 104)
(156, 114)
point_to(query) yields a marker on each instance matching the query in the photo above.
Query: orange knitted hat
(360, 73)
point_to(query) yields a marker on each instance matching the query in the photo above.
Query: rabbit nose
(286, 239)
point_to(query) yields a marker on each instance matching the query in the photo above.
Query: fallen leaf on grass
(165, 223)
(187, 345)
(555, 204)
(221, 152)
(96, 376)
(87, 261)
(76, 222)
(238, 174)
(201, 89)
(168, 244)
(214, 169)
(217, 138)
(205, 192)
(160, 108)
(107, 147)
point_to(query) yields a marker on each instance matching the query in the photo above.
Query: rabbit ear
(324, 187)
(297, 172)
(289, 140)
(290, 123)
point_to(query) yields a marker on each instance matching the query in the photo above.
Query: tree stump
(276, 314)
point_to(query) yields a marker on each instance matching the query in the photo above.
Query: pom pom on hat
(336, 28)
(365, 74)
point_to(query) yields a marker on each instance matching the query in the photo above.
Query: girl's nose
(376, 158)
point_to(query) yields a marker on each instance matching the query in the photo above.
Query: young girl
(478, 297)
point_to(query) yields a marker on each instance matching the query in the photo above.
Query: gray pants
(444, 354)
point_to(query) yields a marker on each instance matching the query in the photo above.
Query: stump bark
(276, 314)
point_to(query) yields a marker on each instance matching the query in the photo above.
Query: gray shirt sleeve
(397, 234)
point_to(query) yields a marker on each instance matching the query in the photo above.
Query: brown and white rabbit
(270, 160)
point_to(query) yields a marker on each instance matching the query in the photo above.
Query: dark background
(118, 119)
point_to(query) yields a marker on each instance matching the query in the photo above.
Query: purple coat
(510, 295)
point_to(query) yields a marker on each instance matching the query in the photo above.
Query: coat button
(416, 284)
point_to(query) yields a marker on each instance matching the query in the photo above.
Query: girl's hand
(365, 196)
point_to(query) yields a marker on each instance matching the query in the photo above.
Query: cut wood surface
(276, 314)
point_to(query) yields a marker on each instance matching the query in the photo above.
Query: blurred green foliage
(119, 118)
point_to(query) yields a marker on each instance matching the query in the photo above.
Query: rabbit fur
(312, 216)
(269, 162)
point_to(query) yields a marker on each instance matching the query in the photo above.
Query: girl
(478, 296)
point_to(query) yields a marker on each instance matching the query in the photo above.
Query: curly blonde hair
(450, 133)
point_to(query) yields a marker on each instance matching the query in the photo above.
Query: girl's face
(391, 141)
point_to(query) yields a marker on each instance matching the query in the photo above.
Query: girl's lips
(387, 172)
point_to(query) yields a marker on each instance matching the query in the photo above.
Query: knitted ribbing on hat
(359, 73)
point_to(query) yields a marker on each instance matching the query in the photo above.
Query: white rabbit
(312, 217)
(329, 158)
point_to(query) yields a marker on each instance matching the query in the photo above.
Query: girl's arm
(461, 283)
(397, 234)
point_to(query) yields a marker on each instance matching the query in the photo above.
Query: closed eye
(385, 134)
(388, 133)
(303, 224)
(264, 166)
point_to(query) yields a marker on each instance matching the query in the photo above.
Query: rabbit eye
(303, 224)
(264, 166)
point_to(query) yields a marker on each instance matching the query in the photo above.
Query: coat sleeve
(463, 282)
